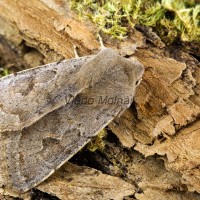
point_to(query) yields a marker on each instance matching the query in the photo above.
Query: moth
(47, 114)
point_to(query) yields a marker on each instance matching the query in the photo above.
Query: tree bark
(158, 152)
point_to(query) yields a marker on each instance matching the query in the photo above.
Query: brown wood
(162, 124)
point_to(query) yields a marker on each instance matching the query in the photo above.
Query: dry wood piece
(3, 197)
(183, 154)
(51, 32)
(74, 182)
(162, 124)
(166, 103)
(151, 194)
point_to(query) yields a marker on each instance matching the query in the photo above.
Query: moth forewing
(101, 86)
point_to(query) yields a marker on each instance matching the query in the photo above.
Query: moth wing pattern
(31, 94)
(32, 154)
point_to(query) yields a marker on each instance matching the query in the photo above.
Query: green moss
(97, 142)
(4, 72)
(170, 18)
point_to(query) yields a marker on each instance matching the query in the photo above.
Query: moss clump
(4, 72)
(97, 142)
(170, 18)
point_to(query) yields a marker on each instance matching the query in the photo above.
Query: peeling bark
(163, 122)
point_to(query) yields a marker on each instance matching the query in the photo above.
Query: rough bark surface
(85, 183)
(157, 153)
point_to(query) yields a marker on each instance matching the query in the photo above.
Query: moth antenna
(101, 42)
(75, 51)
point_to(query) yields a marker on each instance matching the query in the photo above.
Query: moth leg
(75, 51)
